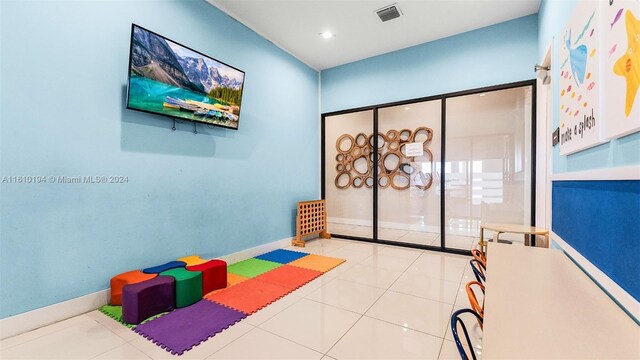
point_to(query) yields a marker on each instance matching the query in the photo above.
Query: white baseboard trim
(255, 251)
(345, 221)
(385, 224)
(31, 320)
(624, 299)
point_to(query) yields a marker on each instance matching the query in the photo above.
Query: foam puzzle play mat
(182, 303)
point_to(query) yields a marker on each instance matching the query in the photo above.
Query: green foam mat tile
(252, 267)
(115, 312)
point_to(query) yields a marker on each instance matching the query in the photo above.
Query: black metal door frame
(443, 122)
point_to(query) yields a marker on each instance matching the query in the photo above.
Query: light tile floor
(384, 303)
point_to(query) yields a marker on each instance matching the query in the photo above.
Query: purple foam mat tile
(184, 328)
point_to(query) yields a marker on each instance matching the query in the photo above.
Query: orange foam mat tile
(249, 296)
(233, 279)
(291, 277)
(317, 262)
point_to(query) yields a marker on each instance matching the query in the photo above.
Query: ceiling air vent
(389, 12)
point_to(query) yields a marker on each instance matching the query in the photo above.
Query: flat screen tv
(171, 79)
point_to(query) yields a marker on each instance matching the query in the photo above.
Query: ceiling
(295, 25)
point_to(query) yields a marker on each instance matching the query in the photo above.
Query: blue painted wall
(63, 72)
(493, 55)
(620, 152)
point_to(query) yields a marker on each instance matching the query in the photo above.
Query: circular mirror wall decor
(355, 159)
(348, 167)
(368, 182)
(356, 151)
(343, 180)
(407, 168)
(361, 165)
(383, 140)
(422, 134)
(392, 134)
(383, 181)
(390, 162)
(341, 143)
(405, 135)
(400, 181)
(358, 182)
(361, 139)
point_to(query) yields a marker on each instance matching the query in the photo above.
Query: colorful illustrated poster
(621, 73)
(580, 123)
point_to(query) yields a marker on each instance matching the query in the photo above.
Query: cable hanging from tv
(175, 120)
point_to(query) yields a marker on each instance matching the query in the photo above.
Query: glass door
(488, 169)
(348, 174)
(409, 173)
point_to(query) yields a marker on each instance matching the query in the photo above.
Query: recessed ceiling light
(483, 94)
(327, 35)
(407, 108)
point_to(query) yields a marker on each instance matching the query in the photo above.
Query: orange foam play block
(248, 296)
(291, 277)
(317, 262)
(119, 281)
(193, 260)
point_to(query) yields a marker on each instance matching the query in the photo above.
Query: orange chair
(473, 299)
(480, 256)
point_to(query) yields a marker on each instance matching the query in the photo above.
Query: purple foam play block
(145, 299)
(187, 327)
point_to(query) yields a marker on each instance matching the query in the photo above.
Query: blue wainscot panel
(601, 220)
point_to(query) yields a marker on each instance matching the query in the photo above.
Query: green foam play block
(188, 286)
(252, 267)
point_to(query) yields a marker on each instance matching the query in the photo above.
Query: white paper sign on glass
(413, 149)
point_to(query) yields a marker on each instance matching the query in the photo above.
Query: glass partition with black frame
(348, 174)
(443, 165)
(488, 168)
(409, 181)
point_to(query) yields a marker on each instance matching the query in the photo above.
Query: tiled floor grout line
(40, 336)
(369, 308)
(452, 307)
(115, 347)
(282, 337)
(404, 327)
(232, 341)
(452, 310)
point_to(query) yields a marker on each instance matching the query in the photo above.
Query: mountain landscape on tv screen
(169, 79)
(153, 58)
